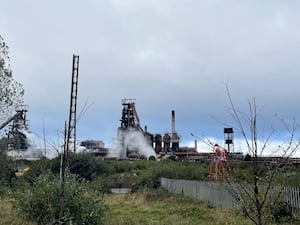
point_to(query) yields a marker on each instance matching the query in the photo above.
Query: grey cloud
(166, 54)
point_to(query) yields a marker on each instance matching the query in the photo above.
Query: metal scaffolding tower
(71, 134)
(130, 118)
(228, 139)
(17, 139)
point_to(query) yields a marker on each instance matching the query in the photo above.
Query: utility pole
(69, 136)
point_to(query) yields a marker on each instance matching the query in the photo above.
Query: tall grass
(9, 216)
(147, 208)
(163, 209)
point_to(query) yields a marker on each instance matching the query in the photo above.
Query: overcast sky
(166, 54)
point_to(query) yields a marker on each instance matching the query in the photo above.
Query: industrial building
(131, 137)
(135, 142)
(17, 125)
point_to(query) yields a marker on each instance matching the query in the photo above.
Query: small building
(92, 144)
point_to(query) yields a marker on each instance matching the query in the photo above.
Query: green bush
(99, 185)
(149, 177)
(282, 212)
(41, 201)
(122, 166)
(148, 180)
(83, 165)
(152, 157)
(119, 180)
(7, 173)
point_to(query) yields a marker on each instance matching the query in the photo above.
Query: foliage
(143, 174)
(9, 215)
(7, 173)
(247, 157)
(83, 165)
(152, 158)
(40, 202)
(11, 92)
(36, 169)
(130, 174)
(122, 180)
(282, 212)
(99, 185)
(150, 178)
(138, 175)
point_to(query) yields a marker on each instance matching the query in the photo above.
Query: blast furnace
(132, 139)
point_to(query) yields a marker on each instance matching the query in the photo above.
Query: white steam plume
(133, 140)
(31, 152)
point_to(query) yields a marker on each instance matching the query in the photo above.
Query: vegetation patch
(9, 215)
(165, 209)
(41, 202)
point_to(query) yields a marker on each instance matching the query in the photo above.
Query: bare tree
(11, 92)
(255, 191)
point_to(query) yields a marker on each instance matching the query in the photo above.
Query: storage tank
(149, 138)
(158, 143)
(167, 142)
(175, 142)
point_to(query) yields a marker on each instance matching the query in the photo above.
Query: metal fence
(217, 195)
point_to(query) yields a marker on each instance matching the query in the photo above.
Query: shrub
(7, 173)
(41, 201)
(282, 212)
(149, 179)
(120, 180)
(99, 185)
(152, 157)
(83, 165)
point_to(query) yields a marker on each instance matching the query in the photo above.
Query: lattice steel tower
(71, 138)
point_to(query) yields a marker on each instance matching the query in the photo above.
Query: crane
(219, 164)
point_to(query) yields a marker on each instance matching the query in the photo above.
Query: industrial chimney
(173, 122)
(174, 135)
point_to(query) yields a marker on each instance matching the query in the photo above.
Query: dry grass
(142, 208)
(147, 209)
(8, 215)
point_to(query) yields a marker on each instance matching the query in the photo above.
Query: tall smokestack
(173, 122)
(196, 145)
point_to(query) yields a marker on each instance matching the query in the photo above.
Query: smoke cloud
(32, 152)
(131, 140)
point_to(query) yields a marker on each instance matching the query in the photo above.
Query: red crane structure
(219, 165)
